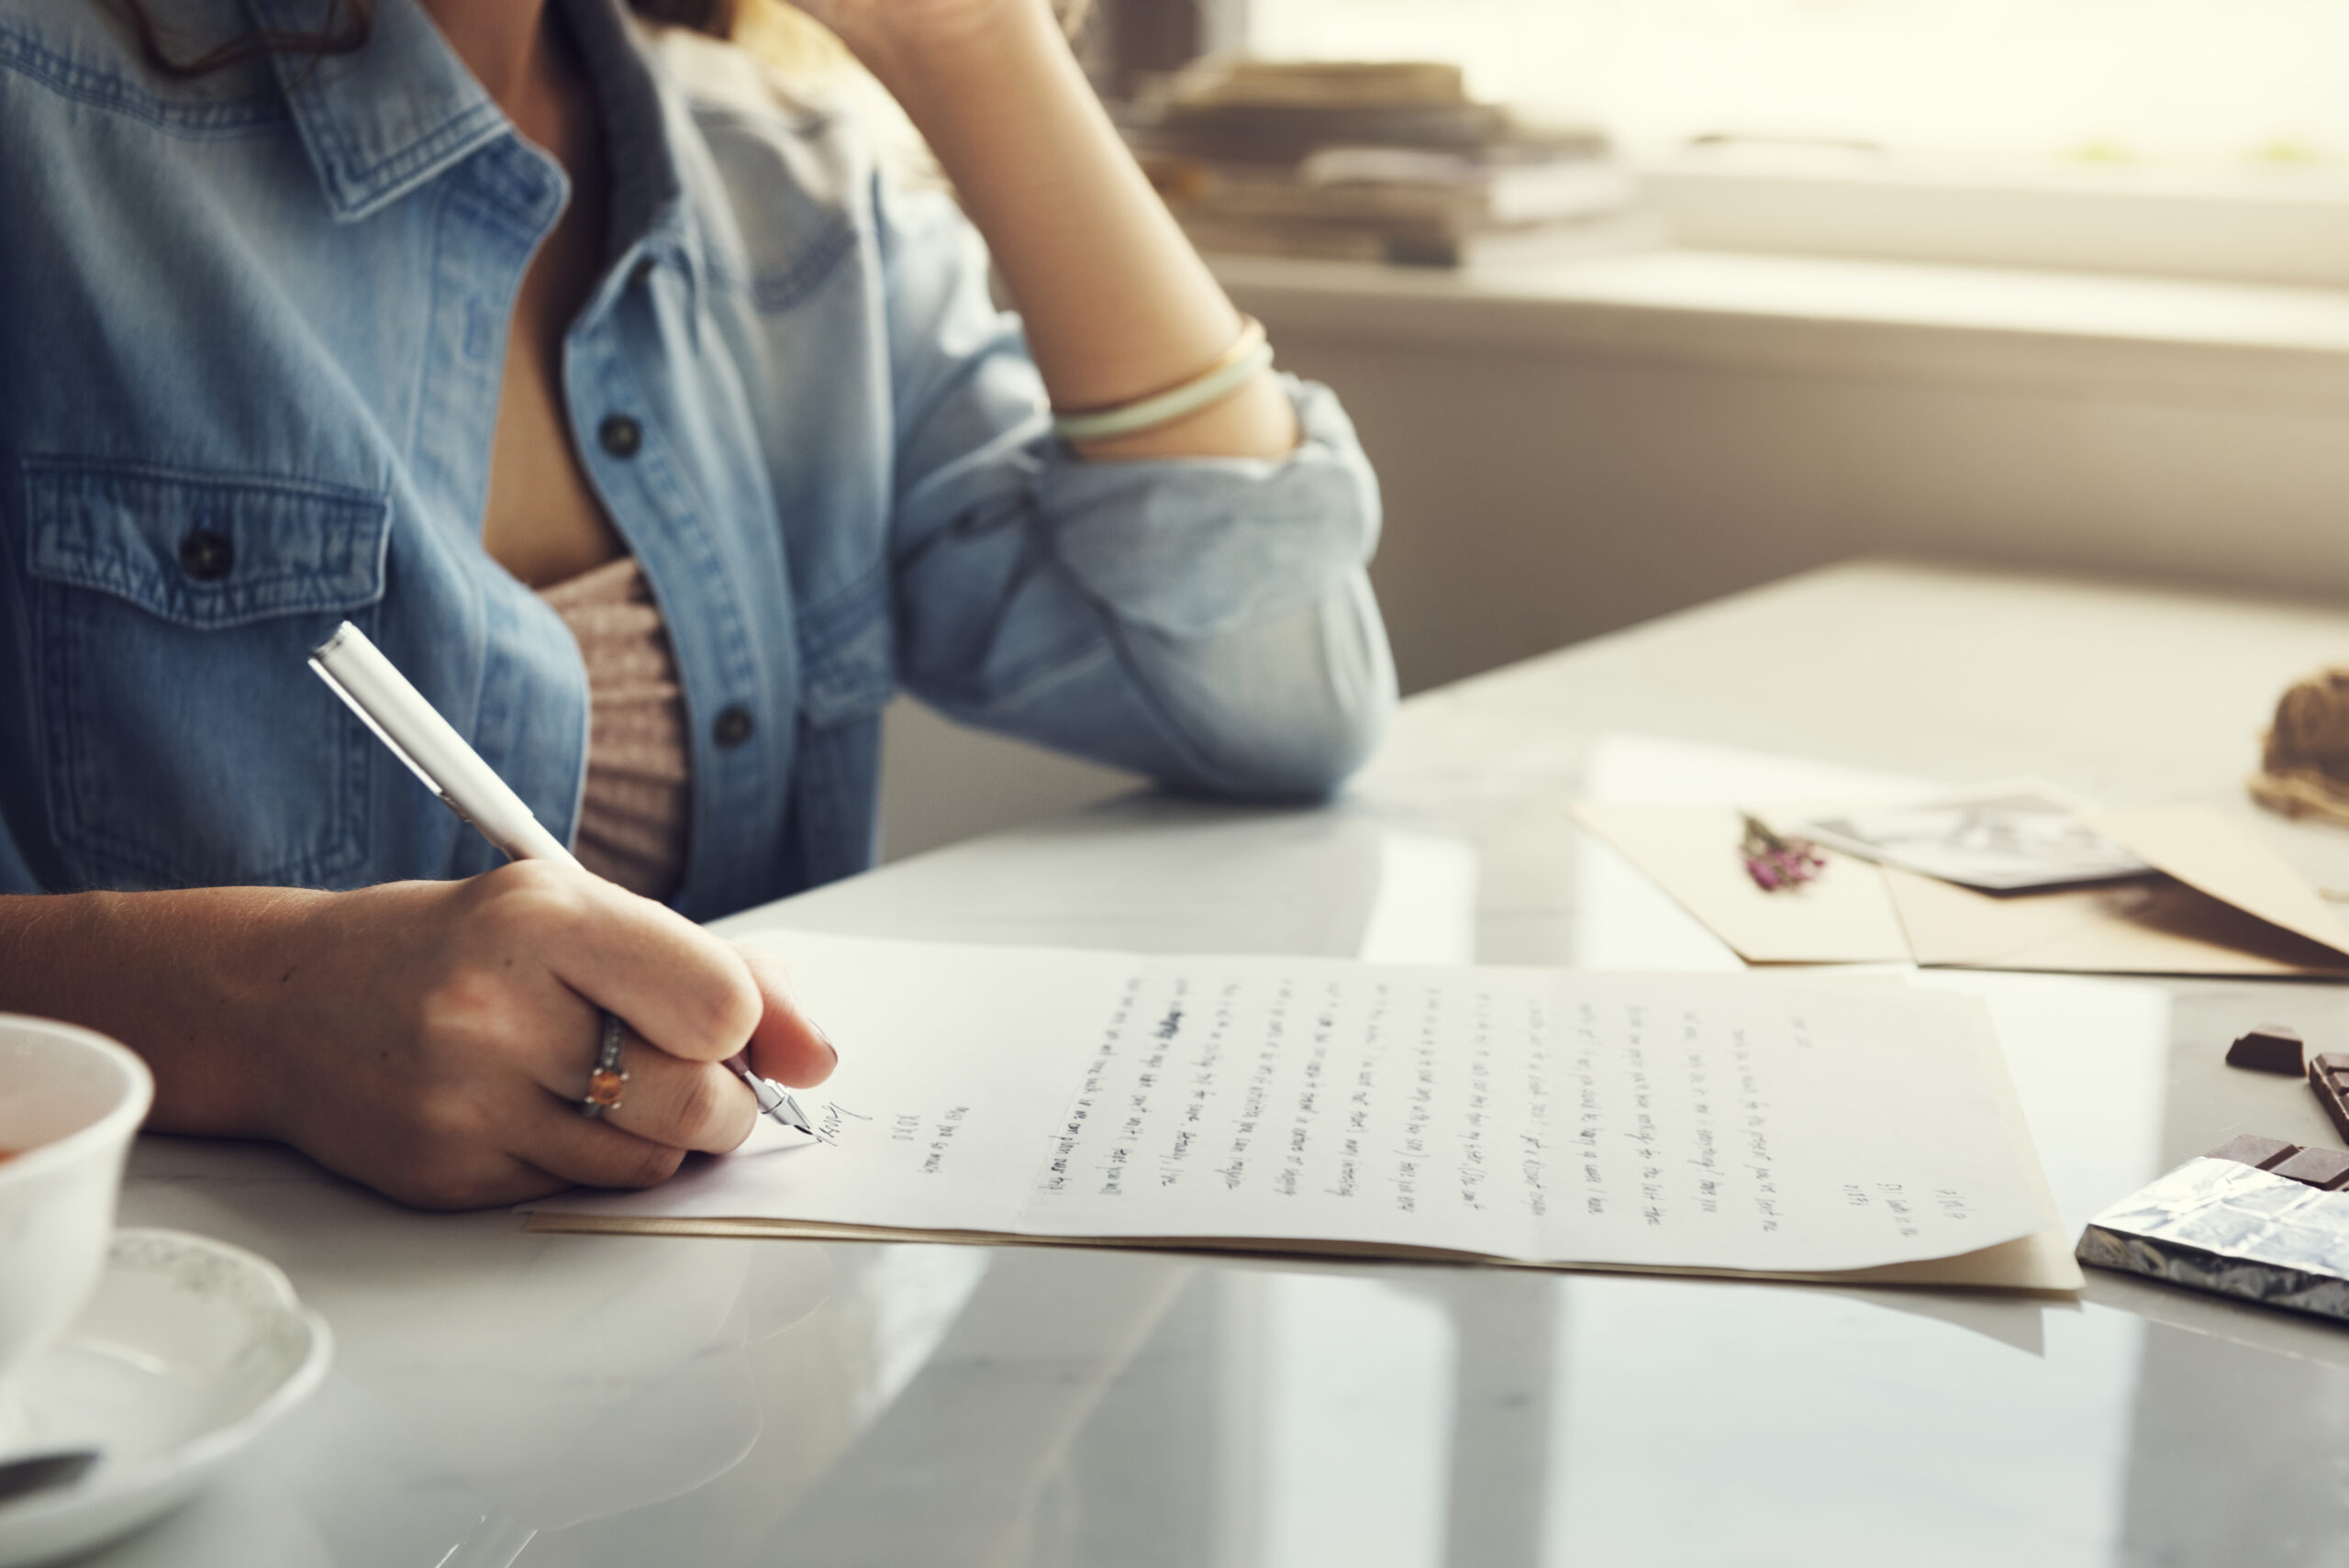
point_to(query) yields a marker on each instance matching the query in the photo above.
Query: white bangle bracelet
(1238, 364)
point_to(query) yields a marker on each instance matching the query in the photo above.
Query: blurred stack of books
(1376, 162)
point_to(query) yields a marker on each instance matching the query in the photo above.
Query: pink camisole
(633, 815)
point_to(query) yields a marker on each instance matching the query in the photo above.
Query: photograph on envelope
(2001, 838)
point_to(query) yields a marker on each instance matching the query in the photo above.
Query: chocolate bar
(2327, 1170)
(2270, 1048)
(2259, 1219)
(2329, 1076)
(2323, 1169)
(2252, 1150)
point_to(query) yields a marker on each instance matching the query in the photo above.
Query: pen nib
(777, 1102)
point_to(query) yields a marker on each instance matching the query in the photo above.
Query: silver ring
(605, 1081)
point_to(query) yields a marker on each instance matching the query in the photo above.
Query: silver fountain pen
(434, 751)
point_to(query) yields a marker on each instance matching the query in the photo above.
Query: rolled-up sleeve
(1205, 621)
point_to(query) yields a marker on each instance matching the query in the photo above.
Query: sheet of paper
(2042, 1262)
(1845, 916)
(1536, 1116)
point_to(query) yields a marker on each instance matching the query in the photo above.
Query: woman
(562, 353)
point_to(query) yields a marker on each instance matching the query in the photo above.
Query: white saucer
(189, 1349)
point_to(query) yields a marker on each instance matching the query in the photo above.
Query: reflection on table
(504, 1397)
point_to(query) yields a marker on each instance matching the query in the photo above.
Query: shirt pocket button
(205, 555)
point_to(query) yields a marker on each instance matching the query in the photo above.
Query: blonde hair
(789, 40)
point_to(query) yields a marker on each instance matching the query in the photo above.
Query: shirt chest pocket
(188, 742)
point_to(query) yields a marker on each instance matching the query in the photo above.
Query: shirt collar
(382, 121)
(391, 117)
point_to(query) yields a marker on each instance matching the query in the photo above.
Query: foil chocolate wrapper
(2232, 1229)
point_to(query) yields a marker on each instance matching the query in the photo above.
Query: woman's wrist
(194, 981)
(1117, 305)
(939, 60)
(936, 52)
(214, 1019)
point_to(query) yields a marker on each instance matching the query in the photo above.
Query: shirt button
(620, 435)
(207, 556)
(732, 728)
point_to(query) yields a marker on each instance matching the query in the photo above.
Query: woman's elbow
(1294, 708)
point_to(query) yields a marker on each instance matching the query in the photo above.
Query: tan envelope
(2229, 905)
(1844, 916)
(2226, 856)
(2158, 925)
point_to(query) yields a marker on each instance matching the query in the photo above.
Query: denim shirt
(253, 333)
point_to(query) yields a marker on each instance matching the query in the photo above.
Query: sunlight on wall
(2207, 82)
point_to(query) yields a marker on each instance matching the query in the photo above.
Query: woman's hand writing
(431, 1039)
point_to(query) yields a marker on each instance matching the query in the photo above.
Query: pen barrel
(398, 713)
(523, 837)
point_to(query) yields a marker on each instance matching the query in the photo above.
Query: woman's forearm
(1118, 305)
(182, 978)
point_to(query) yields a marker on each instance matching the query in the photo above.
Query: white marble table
(552, 1401)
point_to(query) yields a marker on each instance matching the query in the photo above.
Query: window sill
(2058, 333)
(2276, 226)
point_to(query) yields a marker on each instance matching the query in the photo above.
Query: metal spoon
(41, 1472)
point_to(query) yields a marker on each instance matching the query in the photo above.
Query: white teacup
(70, 1101)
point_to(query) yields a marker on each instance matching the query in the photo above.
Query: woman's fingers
(666, 1100)
(690, 1002)
(520, 964)
(786, 1045)
(466, 1017)
(681, 988)
(573, 1149)
(511, 1181)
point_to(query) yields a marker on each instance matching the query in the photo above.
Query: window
(2202, 83)
(2196, 138)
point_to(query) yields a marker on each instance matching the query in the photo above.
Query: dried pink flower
(1777, 863)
